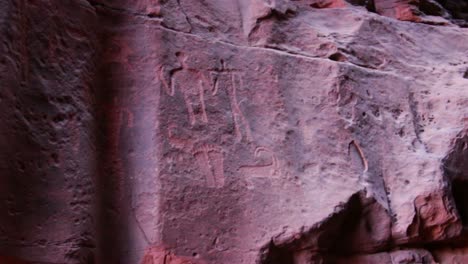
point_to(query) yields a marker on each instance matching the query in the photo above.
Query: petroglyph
(178, 142)
(355, 151)
(358, 159)
(210, 159)
(232, 80)
(168, 86)
(267, 166)
(194, 86)
(191, 83)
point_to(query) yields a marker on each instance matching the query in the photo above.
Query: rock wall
(233, 131)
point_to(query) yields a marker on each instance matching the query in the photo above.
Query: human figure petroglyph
(197, 89)
(191, 83)
(262, 170)
(195, 86)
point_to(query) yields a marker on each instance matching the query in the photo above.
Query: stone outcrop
(230, 132)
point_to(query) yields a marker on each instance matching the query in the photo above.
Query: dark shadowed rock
(233, 132)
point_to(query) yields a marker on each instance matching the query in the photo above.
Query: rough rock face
(234, 131)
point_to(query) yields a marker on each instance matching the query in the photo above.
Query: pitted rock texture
(233, 131)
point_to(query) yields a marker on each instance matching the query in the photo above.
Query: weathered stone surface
(220, 131)
(49, 54)
(159, 255)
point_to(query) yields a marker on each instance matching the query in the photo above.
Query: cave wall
(220, 131)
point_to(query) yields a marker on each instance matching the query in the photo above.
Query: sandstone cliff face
(226, 132)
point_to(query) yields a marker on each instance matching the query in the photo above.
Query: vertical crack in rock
(418, 128)
(455, 166)
(186, 16)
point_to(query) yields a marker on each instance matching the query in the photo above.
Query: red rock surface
(230, 132)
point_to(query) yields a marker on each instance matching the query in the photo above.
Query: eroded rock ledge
(360, 231)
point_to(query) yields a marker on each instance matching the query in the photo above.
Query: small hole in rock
(54, 157)
(337, 57)
(154, 15)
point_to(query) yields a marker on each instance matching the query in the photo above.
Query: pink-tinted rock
(159, 255)
(328, 3)
(233, 132)
(436, 218)
(11, 260)
(451, 254)
(402, 10)
(394, 257)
